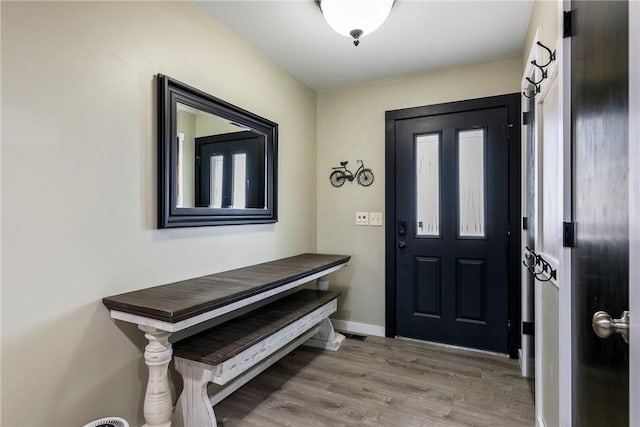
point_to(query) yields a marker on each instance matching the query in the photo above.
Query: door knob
(604, 326)
(402, 245)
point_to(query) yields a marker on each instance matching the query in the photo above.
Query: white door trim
(560, 143)
(525, 368)
(634, 208)
(553, 86)
(564, 274)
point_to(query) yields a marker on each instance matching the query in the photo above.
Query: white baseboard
(358, 328)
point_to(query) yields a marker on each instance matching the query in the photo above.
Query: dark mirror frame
(171, 91)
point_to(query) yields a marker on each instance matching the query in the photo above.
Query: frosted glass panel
(471, 183)
(217, 164)
(551, 202)
(428, 185)
(239, 180)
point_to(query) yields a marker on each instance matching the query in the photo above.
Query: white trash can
(108, 422)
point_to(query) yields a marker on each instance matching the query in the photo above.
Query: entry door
(230, 171)
(600, 260)
(452, 232)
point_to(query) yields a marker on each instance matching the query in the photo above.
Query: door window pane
(471, 183)
(428, 185)
(180, 181)
(217, 165)
(239, 180)
(550, 179)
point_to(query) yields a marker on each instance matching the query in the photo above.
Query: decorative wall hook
(538, 266)
(552, 56)
(542, 68)
(533, 95)
(536, 84)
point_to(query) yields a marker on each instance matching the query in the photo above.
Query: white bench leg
(157, 398)
(327, 338)
(194, 407)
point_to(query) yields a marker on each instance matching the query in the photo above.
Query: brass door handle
(604, 326)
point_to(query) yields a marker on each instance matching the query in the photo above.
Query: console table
(162, 310)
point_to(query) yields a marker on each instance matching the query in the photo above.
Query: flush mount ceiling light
(355, 18)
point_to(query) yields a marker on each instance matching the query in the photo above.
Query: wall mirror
(217, 162)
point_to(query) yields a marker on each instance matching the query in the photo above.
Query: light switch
(375, 218)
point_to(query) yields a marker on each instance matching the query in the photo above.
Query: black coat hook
(536, 84)
(533, 260)
(535, 92)
(552, 56)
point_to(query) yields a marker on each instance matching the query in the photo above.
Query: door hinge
(569, 234)
(526, 118)
(567, 30)
(525, 223)
(509, 325)
(528, 328)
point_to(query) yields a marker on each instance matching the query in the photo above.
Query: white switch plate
(375, 218)
(362, 218)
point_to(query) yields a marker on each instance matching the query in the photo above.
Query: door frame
(512, 103)
(556, 74)
(525, 306)
(565, 300)
(634, 207)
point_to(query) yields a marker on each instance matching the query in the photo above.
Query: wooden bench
(233, 353)
(163, 310)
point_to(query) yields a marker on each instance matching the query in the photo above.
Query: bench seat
(231, 354)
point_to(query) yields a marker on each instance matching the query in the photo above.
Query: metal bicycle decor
(364, 176)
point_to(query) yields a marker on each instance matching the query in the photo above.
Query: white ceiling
(417, 36)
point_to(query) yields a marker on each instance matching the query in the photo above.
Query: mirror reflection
(221, 164)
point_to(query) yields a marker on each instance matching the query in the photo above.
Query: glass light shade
(345, 16)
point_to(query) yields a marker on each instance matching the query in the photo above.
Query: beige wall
(350, 127)
(79, 198)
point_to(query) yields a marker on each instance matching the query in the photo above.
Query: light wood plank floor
(383, 382)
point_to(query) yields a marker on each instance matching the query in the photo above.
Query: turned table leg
(326, 338)
(323, 283)
(194, 406)
(157, 398)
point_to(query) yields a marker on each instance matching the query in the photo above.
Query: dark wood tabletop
(229, 339)
(181, 300)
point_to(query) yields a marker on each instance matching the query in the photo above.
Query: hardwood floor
(383, 382)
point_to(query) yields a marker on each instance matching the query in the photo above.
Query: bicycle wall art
(340, 174)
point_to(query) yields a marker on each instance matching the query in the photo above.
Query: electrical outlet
(362, 218)
(375, 218)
